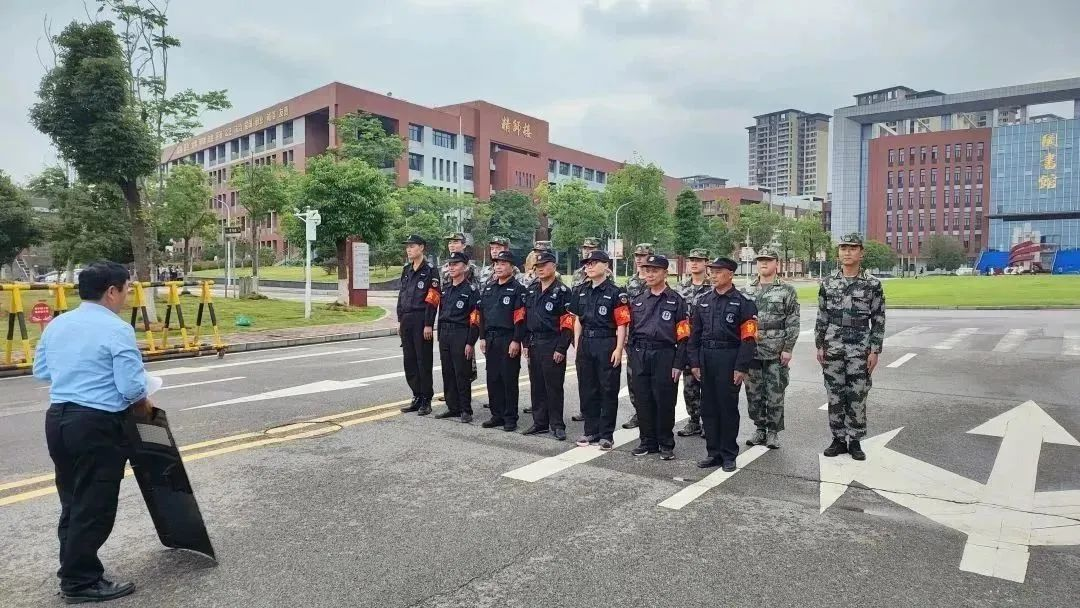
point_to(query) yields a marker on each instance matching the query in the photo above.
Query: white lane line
(1012, 339)
(1071, 342)
(907, 333)
(176, 371)
(902, 360)
(167, 387)
(554, 464)
(955, 338)
(688, 494)
(321, 386)
(377, 359)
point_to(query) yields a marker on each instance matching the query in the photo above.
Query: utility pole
(616, 237)
(311, 219)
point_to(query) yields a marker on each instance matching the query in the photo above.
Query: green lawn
(296, 273)
(1004, 290)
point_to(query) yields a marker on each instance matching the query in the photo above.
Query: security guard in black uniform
(549, 330)
(602, 315)
(459, 327)
(722, 344)
(502, 329)
(418, 301)
(659, 329)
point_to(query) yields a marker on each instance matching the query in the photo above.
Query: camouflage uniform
(579, 275)
(850, 325)
(635, 287)
(487, 273)
(778, 329)
(691, 385)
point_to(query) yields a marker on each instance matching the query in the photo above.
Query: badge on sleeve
(730, 317)
(461, 304)
(602, 310)
(506, 301)
(666, 315)
(549, 306)
(420, 285)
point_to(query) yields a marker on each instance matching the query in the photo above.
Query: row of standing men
(735, 338)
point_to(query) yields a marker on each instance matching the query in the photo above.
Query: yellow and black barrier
(152, 350)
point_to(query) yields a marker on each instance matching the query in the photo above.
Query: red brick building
(928, 184)
(473, 147)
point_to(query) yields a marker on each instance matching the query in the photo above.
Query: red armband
(519, 315)
(433, 297)
(566, 321)
(748, 330)
(474, 318)
(682, 330)
(622, 315)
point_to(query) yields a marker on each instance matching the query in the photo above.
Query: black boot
(856, 450)
(101, 591)
(631, 423)
(412, 407)
(837, 447)
(425, 407)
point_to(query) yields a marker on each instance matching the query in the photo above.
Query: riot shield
(165, 486)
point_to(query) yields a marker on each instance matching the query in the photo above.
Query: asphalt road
(374, 508)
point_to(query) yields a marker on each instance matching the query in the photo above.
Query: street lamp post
(616, 237)
(228, 248)
(311, 219)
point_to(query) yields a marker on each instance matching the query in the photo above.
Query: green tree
(689, 224)
(363, 136)
(760, 221)
(514, 216)
(945, 253)
(786, 238)
(19, 228)
(878, 256)
(186, 213)
(87, 109)
(811, 237)
(576, 212)
(646, 216)
(479, 226)
(261, 190)
(719, 238)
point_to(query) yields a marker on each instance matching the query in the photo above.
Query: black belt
(598, 333)
(498, 331)
(448, 326)
(842, 321)
(648, 344)
(719, 344)
(63, 405)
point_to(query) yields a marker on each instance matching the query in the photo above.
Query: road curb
(1031, 307)
(286, 342)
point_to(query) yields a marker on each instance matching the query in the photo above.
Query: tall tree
(186, 212)
(689, 225)
(811, 237)
(260, 190)
(18, 227)
(945, 253)
(641, 188)
(364, 137)
(86, 108)
(479, 226)
(878, 256)
(576, 212)
(760, 221)
(514, 216)
(786, 239)
(719, 238)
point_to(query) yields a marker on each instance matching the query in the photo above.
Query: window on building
(576, 170)
(899, 179)
(434, 164)
(956, 176)
(967, 175)
(911, 178)
(921, 227)
(922, 200)
(552, 164)
(956, 152)
(932, 219)
(890, 179)
(911, 155)
(892, 156)
(933, 199)
(922, 177)
(443, 139)
(956, 199)
(967, 150)
(589, 174)
(933, 177)
(948, 153)
(948, 175)
(888, 201)
(979, 151)
(564, 168)
(911, 200)
(244, 146)
(967, 198)
(922, 154)
(888, 222)
(933, 154)
(967, 221)
(468, 172)
(416, 162)
(978, 174)
(213, 155)
(470, 144)
(601, 177)
(978, 198)
(442, 170)
(899, 223)
(900, 157)
(271, 137)
(956, 221)
(455, 172)
(287, 131)
(416, 132)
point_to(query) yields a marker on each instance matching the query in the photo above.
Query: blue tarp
(991, 259)
(1067, 262)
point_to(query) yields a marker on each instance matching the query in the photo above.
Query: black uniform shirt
(459, 308)
(724, 320)
(419, 291)
(547, 313)
(605, 306)
(502, 307)
(661, 318)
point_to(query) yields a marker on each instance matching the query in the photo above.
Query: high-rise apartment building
(789, 153)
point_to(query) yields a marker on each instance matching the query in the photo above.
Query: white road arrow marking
(955, 338)
(322, 386)
(902, 360)
(1001, 518)
(690, 493)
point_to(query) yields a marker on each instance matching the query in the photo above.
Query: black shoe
(559, 434)
(412, 407)
(577, 418)
(445, 415)
(527, 410)
(856, 450)
(692, 428)
(708, 463)
(425, 407)
(466, 418)
(642, 451)
(485, 406)
(490, 424)
(534, 430)
(837, 447)
(631, 423)
(101, 591)
(667, 455)
(510, 427)
(728, 466)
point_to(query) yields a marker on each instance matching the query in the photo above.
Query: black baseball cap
(458, 256)
(414, 239)
(503, 256)
(545, 257)
(596, 255)
(724, 263)
(656, 261)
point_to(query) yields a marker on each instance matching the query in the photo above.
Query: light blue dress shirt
(91, 358)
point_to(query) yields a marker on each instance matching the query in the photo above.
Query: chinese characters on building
(1048, 179)
(228, 132)
(516, 127)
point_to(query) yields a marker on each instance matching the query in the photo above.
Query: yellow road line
(27, 482)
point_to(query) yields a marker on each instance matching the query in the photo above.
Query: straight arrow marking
(690, 493)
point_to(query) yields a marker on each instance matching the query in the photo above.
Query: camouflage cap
(591, 241)
(499, 240)
(542, 246)
(644, 249)
(766, 254)
(698, 254)
(852, 238)
(456, 236)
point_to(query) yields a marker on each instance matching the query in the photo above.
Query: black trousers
(546, 383)
(88, 448)
(457, 371)
(720, 402)
(598, 386)
(418, 354)
(503, 373)
(656, 395)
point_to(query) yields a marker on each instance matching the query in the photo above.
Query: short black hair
(97, 278)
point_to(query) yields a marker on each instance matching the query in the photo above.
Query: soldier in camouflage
(589, 245)
(849, 334)
(635, 287)
(691, 289)
(487, 273)
(455, 243)
(778, 329)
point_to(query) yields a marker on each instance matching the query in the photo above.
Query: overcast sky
(674, 81)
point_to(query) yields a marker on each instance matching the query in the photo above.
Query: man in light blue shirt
(93, 363)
